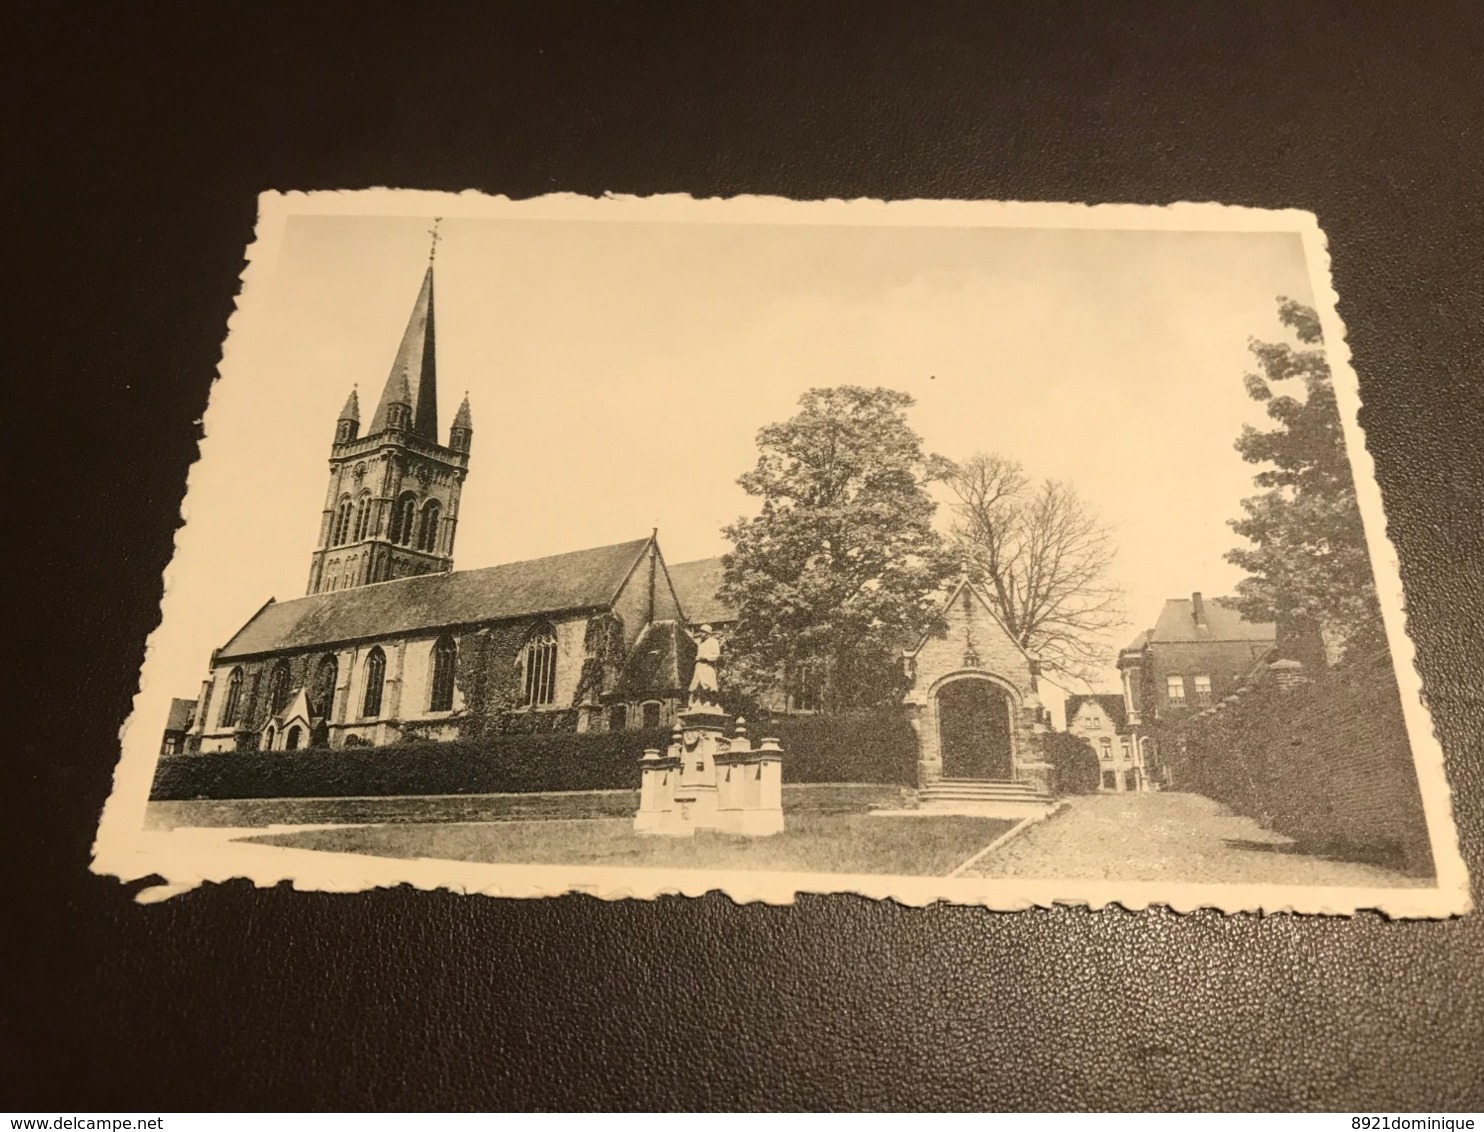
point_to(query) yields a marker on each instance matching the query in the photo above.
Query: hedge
(873, 748)
(876, 747)
(1327, 763)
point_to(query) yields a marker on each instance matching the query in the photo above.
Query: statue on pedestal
(708, 780)
(705, 693)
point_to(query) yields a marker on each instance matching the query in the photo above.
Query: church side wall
(487, 688)
(570, 635)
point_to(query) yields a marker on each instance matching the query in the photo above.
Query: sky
(618, 373)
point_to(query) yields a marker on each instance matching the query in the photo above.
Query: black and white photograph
(1000, 554)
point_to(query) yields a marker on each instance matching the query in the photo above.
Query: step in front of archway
(980, 788)
(982, 798)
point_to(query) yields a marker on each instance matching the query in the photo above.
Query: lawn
(205, 813)
(815, 841)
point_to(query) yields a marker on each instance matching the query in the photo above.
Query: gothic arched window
(340, 533)
(363, 515)
(292, 742)
(427, 531)
(445, 658)
(233, 703)
(404, 519)
(540, 668)
(326, 676)
(375, 677)
(278, 687)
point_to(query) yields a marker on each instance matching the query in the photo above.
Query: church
(391, 643)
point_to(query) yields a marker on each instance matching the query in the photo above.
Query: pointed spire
(352, 410)
(462, 419)
(415, 370)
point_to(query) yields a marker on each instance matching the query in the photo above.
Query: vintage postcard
(1000, 554)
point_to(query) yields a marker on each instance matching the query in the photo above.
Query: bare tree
(1042, 559)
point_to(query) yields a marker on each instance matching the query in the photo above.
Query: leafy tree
(1308, 565)
(841, 566)
(1075, 768)
(1042, 558)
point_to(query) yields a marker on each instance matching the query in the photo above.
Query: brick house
(1103, 721)
(1198, 653)
(178, 723)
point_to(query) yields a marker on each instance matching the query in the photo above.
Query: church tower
(392, 504)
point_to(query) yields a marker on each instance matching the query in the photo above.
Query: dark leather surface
(137, 138)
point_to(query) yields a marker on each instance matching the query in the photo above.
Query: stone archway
(974, 724)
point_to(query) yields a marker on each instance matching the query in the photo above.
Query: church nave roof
(579, 579)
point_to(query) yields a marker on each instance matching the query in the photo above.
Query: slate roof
(1176, 624)
(1138, 642)
(181, 714)
(1111, 702)
(661, 660)
(580, 579)
(696, 584)
(414, 374)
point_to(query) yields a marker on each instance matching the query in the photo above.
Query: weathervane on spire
(433, 232)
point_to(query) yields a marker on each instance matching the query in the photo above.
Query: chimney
(1198, 610)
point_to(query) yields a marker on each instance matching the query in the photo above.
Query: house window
(278, 687)
(363, 515)
(233, 702)
(326, 676)
(1107, 747)
(403, 518)
(375, 678)
(808, 687)
(1175, 689)
(540, 666)
(427, 531)
(618, 717)
(1110, 780)
(1131, 780)
(651, 716)
(1203, 691)
(291, 743)
(445, 657)
(341, 532)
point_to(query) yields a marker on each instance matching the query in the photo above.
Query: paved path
(1168, 836)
